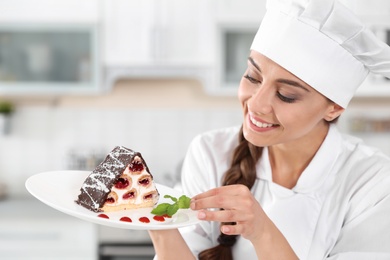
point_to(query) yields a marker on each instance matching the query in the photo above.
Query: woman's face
(279, 107)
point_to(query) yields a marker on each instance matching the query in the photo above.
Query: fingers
(232, 223)
(222, 215)
(231, 229)
(230, 204)
(231, 189)
(226, 197)
(217, 202)
(228, 228)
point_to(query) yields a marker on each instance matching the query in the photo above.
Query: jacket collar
(316, 172)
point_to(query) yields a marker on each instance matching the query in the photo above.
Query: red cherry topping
(129, 195)
(144, 181)
(110, 200)
(126, 219)
(103, 216)
(149, 196)
(144, 220)
(159, 218)
(121, 183)
(136, 166)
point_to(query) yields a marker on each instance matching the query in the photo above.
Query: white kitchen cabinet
(159, 39)
(241, 11)
(188, 30)
(236, 22)
(152, 32)
(49, 47)
(32, 230)
(127, 31)
(49, 59)
(49, 11)
(234, 46)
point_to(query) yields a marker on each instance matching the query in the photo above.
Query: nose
(261, 99)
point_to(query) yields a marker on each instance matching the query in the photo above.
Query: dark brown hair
(241, 171)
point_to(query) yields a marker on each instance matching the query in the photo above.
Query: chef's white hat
(323, 43)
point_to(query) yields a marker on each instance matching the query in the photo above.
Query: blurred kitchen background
(80, 77)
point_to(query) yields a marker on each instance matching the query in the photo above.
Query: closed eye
(278, 94)
(284, 98)
(251, 79)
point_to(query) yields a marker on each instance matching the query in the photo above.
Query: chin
(252, 138)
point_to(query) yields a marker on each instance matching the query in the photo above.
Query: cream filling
(141, 190)
(260, 124)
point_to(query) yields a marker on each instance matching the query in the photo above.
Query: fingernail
(201, 215)
(192, 205)
(225, 229)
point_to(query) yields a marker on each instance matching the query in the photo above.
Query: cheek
(244, 92)
(301, 119)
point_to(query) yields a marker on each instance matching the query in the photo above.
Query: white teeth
(260, 124)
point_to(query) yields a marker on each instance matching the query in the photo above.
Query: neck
(289, 160)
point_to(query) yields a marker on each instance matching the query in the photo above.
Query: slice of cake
(122, 181)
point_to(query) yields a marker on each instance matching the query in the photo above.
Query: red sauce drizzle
(159, 218)
(103, 216)
(126, 219)
(144, 220)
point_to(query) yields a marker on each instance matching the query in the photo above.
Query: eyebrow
(284, 81)
(292, 83)
(254, 63)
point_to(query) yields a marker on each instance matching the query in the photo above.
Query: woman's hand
(251, 221)
(239, 206)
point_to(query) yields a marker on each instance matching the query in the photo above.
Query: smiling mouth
(260, 124)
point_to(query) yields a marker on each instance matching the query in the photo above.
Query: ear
(334, 111)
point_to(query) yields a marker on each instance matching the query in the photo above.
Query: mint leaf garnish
(170, 197)
(184, 202)
(161, 209)
(170, 209)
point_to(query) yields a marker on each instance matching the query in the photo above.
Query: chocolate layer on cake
(97, 186)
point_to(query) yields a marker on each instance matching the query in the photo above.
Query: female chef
(287, 184)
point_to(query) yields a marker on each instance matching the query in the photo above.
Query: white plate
(59, 190)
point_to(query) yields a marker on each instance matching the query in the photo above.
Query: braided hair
(241, 171)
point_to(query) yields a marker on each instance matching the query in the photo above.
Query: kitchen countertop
(43, 232)
(29, 208)
(111, 235)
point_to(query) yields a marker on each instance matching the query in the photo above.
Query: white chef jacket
(339, 208)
